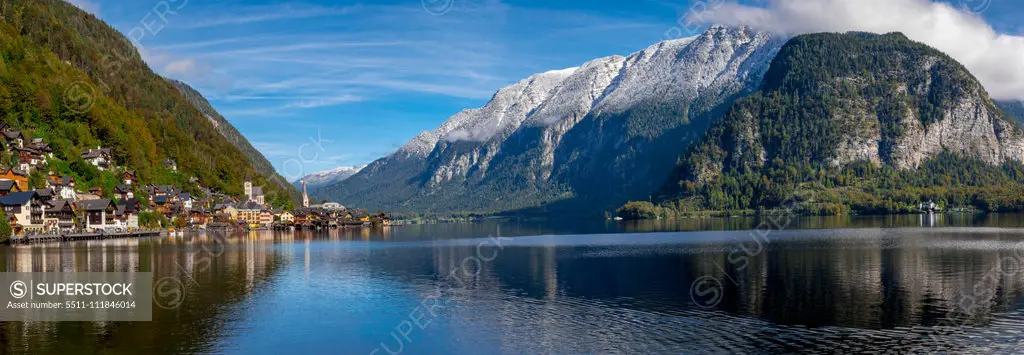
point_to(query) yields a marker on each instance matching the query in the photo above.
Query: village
(61, 207)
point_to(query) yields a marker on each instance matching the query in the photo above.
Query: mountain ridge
(321, 178)
(512, 153)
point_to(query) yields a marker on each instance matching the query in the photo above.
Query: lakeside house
(160, 190)
(22, 209)
(126, 214)
(12, 138)
(41, 146)
(29, 158)
(45, 194)
(286, 217)
(250, 213)
(227, 209)
(161, 204)
(124, 191)
(128, 177)
(8, 186)
(300, 217)
(199, 216)
(185, 200)
(266, 217)
(59, 215)
(16, 175)
(99, 157)
(99, 214)
(64, 186)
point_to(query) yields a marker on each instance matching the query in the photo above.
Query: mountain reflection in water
(845, 284)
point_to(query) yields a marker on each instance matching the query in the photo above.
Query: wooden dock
(44, 238)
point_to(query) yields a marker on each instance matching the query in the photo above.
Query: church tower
(248, 189)
(305, 197)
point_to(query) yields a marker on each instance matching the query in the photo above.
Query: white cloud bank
(996, 59)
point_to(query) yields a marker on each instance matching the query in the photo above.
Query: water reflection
(558, 289)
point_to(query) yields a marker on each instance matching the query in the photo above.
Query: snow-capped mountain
(506, 110)
(598, 134)
(318, 179)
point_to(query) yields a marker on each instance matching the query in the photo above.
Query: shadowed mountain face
(1013, 110)
(897, 113)
(587, 138)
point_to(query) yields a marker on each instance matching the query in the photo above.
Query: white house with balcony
(99, 214)
(100, 157)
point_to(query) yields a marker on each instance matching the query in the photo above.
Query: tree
(5, 227)
(638, 210)
(152, 220)
(36, 179)
(179, 222)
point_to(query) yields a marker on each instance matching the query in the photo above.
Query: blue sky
(320, 84)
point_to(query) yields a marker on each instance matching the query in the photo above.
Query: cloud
(994, 58)
(326, 101)
(306, 47)
(275, 149)
(190, 70)
(185, 68)
(265, 14)
(87, 6)
(290, 108)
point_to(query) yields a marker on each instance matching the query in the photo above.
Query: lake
(949, 283)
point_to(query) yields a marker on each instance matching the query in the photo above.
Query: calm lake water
(814, 285)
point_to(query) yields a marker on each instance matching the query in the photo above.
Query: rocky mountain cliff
(592, 136)
(883, 103)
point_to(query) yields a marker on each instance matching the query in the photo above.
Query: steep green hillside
(861, 122)
(72, 79)
(259, 162)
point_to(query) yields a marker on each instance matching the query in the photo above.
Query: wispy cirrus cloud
(381, 50)
(350, 68)
(305, 47)
(258, 14)
(293, 105)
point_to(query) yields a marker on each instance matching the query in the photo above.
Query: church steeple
(305, 196)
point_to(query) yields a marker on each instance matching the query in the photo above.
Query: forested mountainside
(72, 79)
(861, 122)
(585, 139)
(259, 162)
